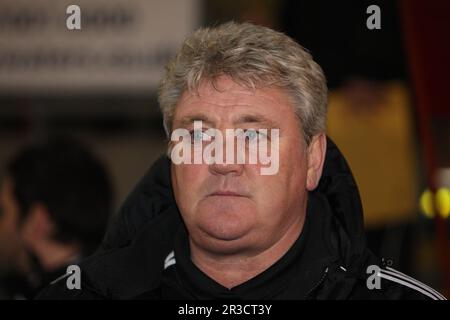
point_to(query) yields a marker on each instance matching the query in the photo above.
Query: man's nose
(230, 163)
(225, 169)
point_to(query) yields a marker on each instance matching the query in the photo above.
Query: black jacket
(130, 264)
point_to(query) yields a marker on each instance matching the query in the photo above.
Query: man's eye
(197, 135)
(252, 134)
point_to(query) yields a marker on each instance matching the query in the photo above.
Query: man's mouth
(226, 193)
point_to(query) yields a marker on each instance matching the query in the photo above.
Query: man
(55, 202)
(209, 227)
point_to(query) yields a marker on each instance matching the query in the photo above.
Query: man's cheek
(182, 176)
(189, 180)
(188, 174)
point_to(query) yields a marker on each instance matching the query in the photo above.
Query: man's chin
(223, 240)
(225, 233)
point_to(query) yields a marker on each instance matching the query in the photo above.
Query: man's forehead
(233, 101)
(233, 95)
(236, 119)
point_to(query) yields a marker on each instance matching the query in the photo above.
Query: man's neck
(231, 271)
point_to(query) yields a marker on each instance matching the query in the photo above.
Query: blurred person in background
(55, 202)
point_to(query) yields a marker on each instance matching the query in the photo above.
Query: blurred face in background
(12, 251)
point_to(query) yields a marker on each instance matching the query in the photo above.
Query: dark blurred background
(389, 110)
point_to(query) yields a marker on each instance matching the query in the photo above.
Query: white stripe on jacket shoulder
(396, 276)
(170, 260)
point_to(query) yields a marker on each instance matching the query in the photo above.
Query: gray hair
(253, 56)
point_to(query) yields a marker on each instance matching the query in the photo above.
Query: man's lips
(226, 193)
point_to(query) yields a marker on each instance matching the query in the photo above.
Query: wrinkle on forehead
(229, 104)
(227, 93)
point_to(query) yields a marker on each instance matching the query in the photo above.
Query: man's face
(228, 208)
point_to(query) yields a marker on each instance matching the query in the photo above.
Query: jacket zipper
(322, 279)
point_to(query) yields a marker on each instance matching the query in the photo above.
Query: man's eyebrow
(189, 120)
(257, 119)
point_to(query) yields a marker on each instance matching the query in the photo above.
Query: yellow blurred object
(376, 137)
(443, 202)
(426, 204)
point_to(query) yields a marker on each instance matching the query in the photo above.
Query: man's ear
(316, 157)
